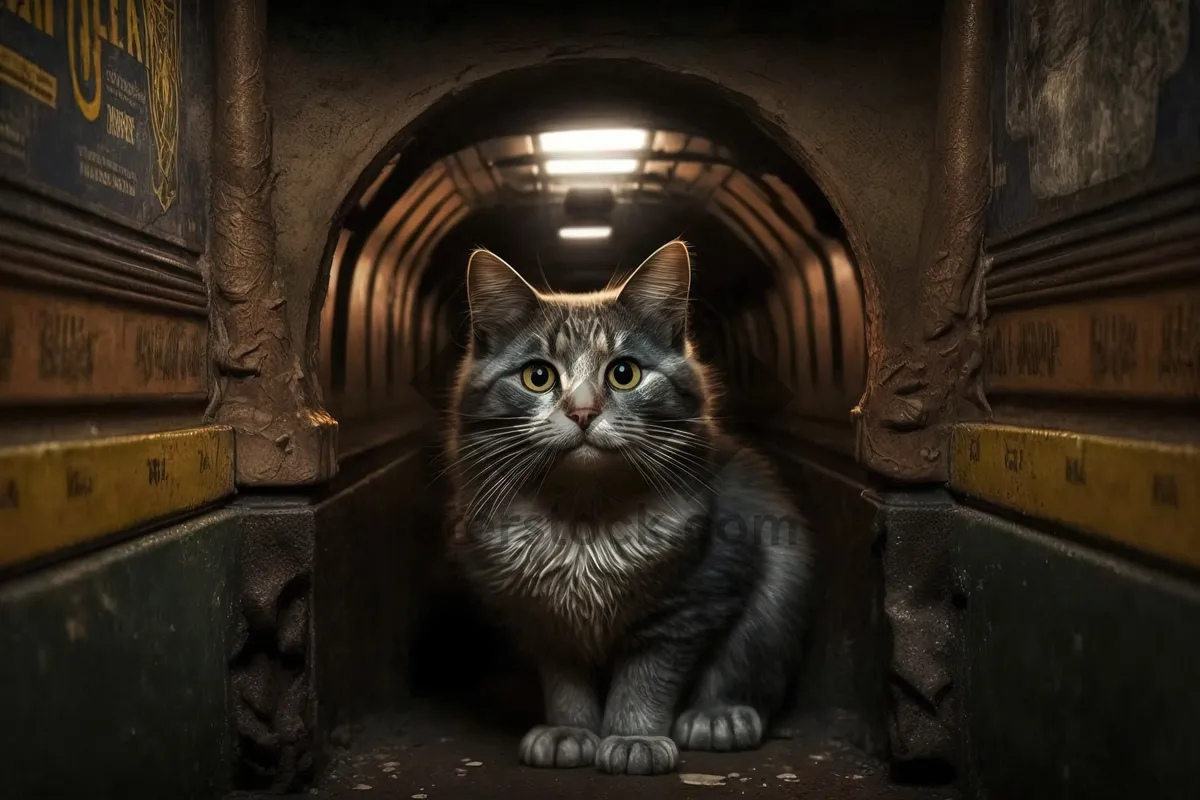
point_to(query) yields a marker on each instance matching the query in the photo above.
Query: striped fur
(645, 550)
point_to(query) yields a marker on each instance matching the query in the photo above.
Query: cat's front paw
(549, 746)
(637, 755)
(719, 728)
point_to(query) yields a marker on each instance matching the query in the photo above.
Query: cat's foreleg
(568, 739)
(746, 678)
(740, 687)
(642, 700)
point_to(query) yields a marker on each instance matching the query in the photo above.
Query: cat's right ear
(499, 298)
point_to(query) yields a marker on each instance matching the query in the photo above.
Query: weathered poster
(93, 108)
(1143, 345)
(55, 348)
(1094, 102)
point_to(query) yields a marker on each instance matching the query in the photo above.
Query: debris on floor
(445, 757)
(701, 779)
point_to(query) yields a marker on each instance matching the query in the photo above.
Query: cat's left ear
(499, 298)
(658, 289)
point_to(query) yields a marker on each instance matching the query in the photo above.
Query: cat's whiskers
(542, 459)
(490, 444)
(669, 470)
(520, 467)
(675, 463)
(473, 470)
(467, 458)
(475, 442)
(682, 445)
(500, 431)
(499, 475)
(642, 425)
(654, 479)
(485, 450)
(688, 451)
(654, 429)
(682, 474)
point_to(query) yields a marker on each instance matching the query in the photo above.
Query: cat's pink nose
(583, 415)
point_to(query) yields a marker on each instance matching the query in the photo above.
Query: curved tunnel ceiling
(809, 328)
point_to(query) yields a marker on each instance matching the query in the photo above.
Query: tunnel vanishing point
(944, 267)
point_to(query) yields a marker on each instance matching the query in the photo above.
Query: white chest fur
(577, 572)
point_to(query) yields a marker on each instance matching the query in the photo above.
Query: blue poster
(93, 109)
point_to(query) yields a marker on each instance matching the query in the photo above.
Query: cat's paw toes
(719, 728)
(548, 746)
(637, 755)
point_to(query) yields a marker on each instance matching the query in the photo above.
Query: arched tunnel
(776, 291)
(574, 191)
(941, 272)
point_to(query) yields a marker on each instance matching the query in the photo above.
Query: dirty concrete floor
(432, 759)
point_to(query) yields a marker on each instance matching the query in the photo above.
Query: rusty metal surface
(263, 390)
(929, 373)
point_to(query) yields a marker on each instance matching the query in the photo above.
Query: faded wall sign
(92, 96)
(1089, 91)
(1082, 80)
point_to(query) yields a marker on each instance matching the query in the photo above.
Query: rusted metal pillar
(284, 437)
(937, 385)
(933, 379)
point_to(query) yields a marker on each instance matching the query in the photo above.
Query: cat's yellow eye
(538, 377)
(624, 375)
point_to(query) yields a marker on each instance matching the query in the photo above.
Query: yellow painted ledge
(1145, 495)
(56, 495)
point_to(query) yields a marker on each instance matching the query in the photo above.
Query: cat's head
(583, 379)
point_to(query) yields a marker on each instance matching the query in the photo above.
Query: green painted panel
(1079, 669)
(114, 669)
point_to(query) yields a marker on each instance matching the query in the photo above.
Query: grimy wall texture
(855, 107)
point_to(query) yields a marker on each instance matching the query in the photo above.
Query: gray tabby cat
(653, 568)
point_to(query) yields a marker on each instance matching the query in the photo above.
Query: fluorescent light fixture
(591, 166)
(567, 186)
(585, 232)
(600, 140)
